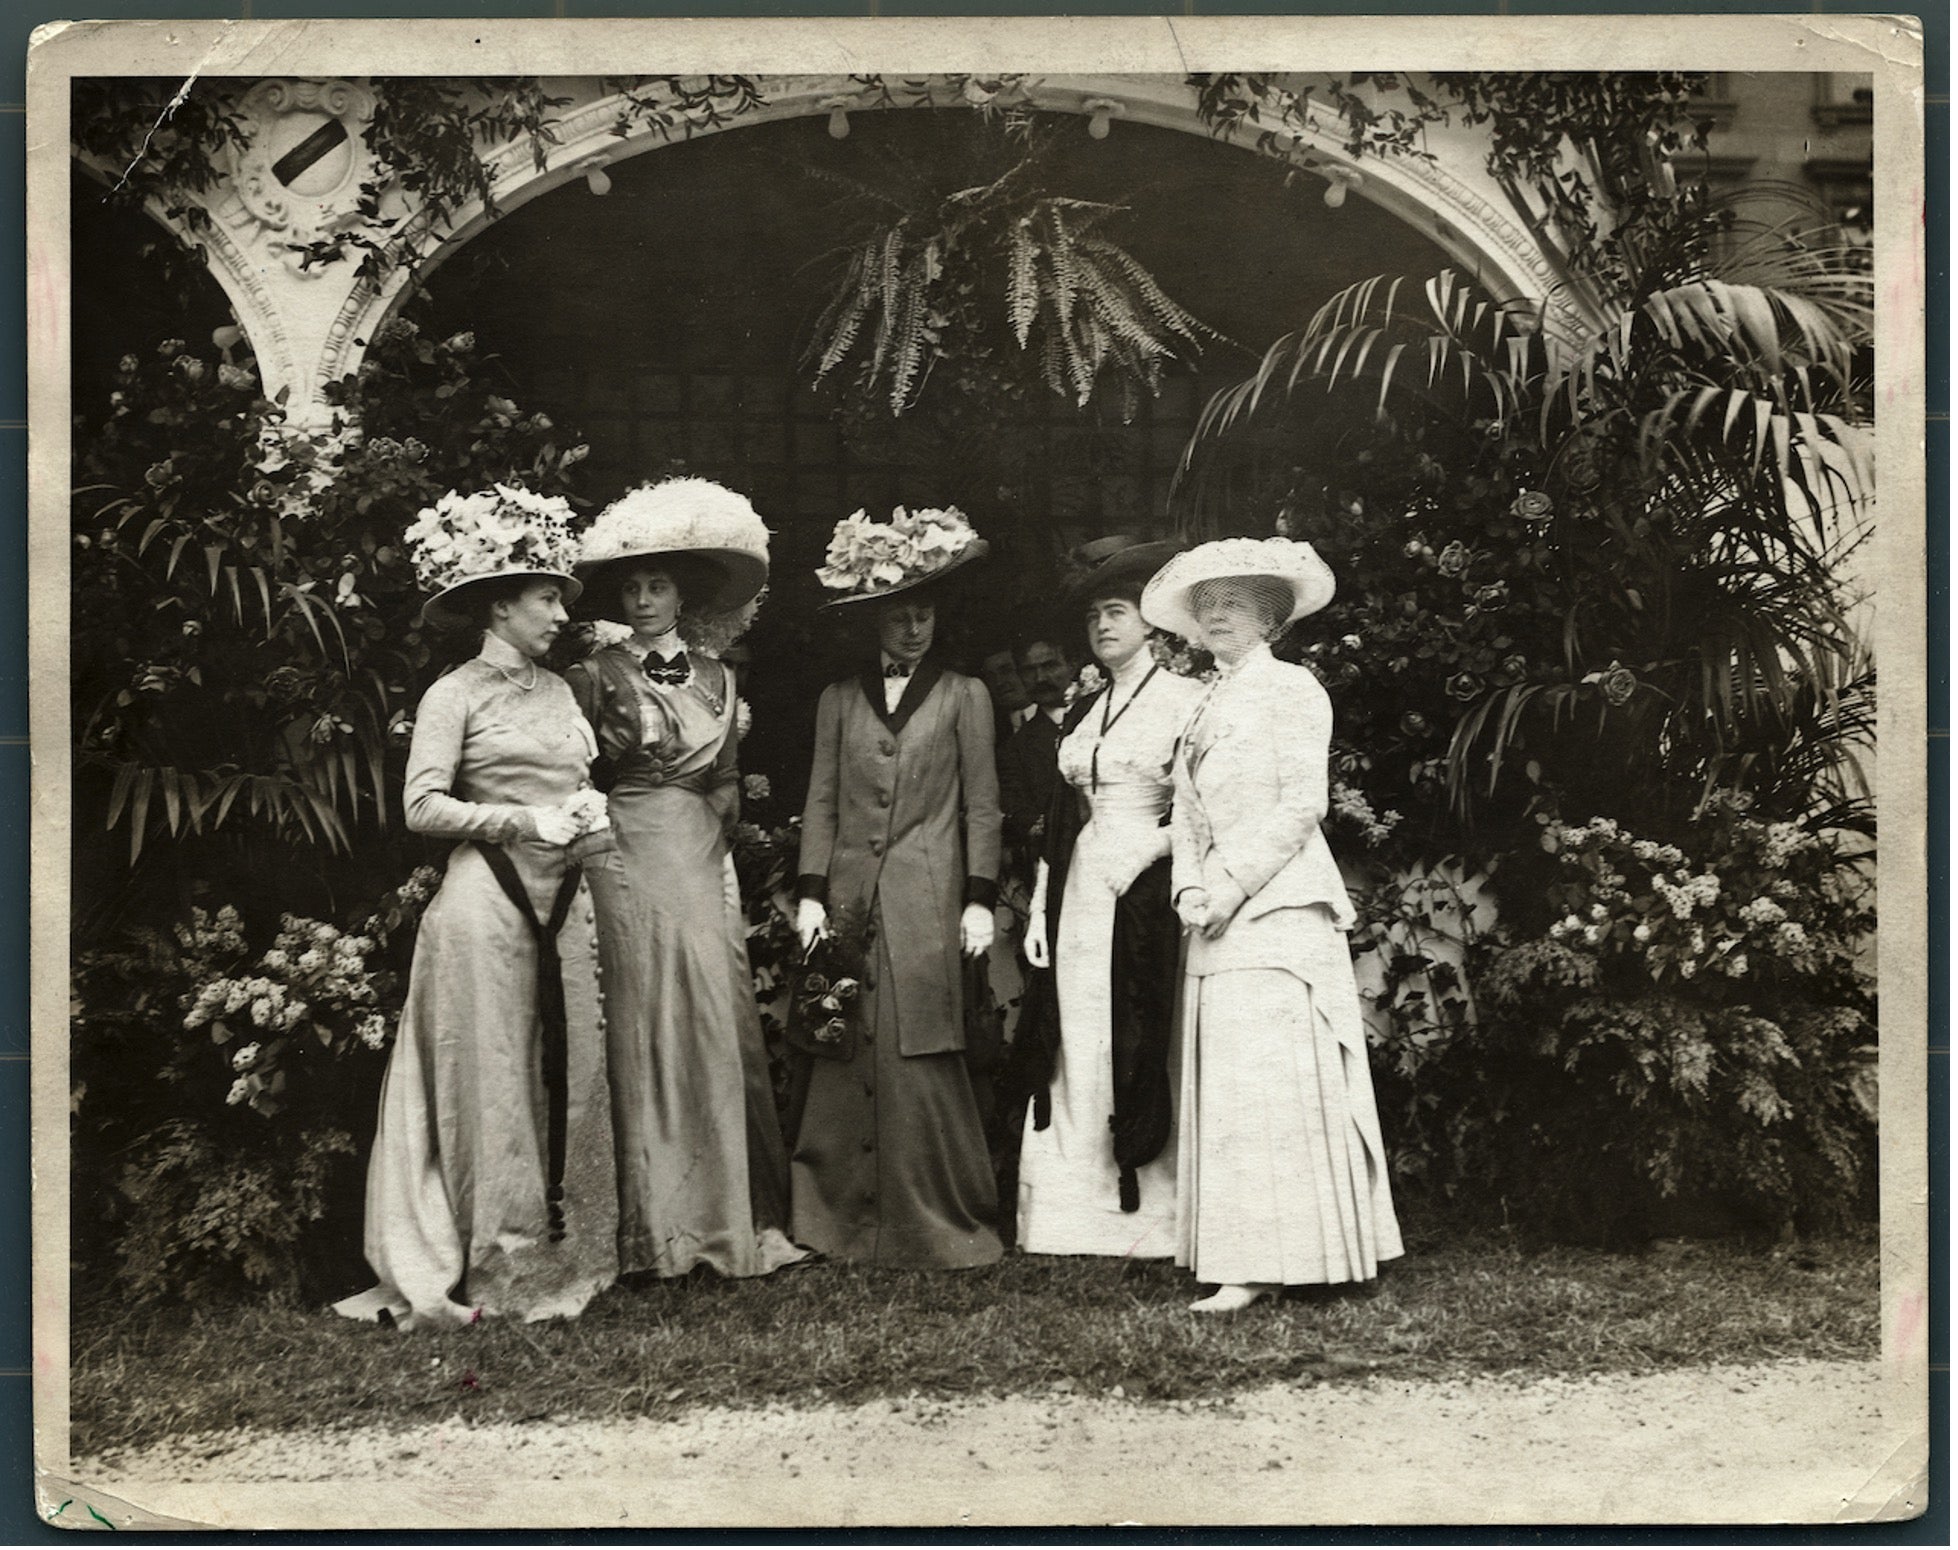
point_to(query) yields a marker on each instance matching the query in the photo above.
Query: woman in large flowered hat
(900, 839)
(1098, 1157)
(490, 1189)
(703, 1173)
(1281, 1173)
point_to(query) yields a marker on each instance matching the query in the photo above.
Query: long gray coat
(903, 821)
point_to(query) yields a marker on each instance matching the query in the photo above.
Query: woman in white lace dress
(1281, 1171)
(1098, 1156)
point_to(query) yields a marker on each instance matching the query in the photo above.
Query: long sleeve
(590, 695)
(1185, 843)
(1254, 847)
(434, 757)
(979, 780)
(583, 678)
(724, 783)
(819, 811)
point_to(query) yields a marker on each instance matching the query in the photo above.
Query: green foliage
(204, 1222)
(764, 846)
(1606, 570)
(160, 138)
(675, 105)
(1578, 152)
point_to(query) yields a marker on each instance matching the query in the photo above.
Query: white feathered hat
(1166, 600)
(694, 517)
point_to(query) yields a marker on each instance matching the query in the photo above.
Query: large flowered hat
(870, 560)
(714, 527)
(1166, 600)
(463, 541)
(1121, 562)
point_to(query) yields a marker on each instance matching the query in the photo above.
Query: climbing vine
(433, 138)
(1624, 129)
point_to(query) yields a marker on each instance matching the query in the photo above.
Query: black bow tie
(675, 669)
(898, 670)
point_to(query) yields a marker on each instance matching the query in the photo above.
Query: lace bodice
(1118, 756)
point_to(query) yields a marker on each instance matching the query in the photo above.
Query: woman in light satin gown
(490, 1189)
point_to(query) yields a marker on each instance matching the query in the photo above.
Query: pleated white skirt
(1282, 1175)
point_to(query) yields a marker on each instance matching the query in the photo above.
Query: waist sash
(550, 1014)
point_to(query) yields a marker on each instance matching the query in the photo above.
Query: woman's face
(530, 621)
(904, 630)
(1230, 622)
(649, 598)
(1115, 631)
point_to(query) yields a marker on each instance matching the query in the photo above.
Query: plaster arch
(310, 325)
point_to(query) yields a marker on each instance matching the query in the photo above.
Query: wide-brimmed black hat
(1119, 562)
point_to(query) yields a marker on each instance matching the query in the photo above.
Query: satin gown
(701, 1163)
(1069, 1199)
(456, 1214)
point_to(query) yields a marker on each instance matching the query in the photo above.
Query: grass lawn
(1456, 1306)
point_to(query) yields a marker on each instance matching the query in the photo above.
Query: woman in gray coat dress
(901, 830)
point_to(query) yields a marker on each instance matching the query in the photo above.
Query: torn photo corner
(1611, 436)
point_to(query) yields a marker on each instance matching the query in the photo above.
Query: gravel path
(1798, 1441)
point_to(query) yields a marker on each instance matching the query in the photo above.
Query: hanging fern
(1022, 286)
(994, 261)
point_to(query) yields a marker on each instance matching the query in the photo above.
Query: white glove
(811, 922)
(976, 930)
(1193, 907)
(554, 825)
(1035, 942)
(1220, 908)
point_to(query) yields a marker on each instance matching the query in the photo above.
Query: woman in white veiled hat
(703, 1172)
(490, 1187)
(1282, 1174)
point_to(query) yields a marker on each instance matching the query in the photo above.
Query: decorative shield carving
(304, 158)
